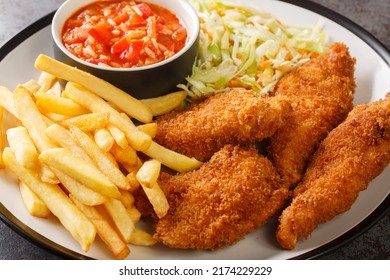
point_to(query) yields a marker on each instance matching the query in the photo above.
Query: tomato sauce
(123, 34)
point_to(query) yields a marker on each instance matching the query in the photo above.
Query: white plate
(372, 72)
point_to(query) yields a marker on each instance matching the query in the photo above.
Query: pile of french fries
(76, 153)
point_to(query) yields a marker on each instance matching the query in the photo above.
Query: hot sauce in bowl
(123, 34)
(112, 44)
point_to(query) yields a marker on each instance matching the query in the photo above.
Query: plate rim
(380, 211)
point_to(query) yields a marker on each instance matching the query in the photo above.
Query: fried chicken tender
(351, 156)
(231, 117)
(321, 94)
(234, 193)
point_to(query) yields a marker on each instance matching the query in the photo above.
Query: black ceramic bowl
(140, 82)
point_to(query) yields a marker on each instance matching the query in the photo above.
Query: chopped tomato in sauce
(123, 34)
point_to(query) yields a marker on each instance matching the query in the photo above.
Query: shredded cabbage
(242, 47)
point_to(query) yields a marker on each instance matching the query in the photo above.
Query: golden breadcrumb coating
(351, 156)
(233, 194)
(321, 94)
(231, 117)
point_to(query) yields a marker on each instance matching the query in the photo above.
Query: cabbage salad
(242, 47)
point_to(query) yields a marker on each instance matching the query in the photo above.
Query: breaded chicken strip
(351, 156)
(233, 194)
(231, 117)
(320, 93)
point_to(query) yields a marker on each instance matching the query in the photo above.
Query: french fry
(135, 214)
(149, 172)
(56, 200)
(113, 160)
(23, 147)
(35, 124)
(84, 194)
(171, 159)
(59, 105)
(32, 86)
(56, 89)
(133, 168)
(103, 228)
(157, 198)
(63, 138)
(82, 171)
(35, 206)
(124, 101)
(120, 217)
(31, 119)
(88, 122)
(50, 116)
(166, 103)
(127, 199)
(46, 81)
(127, 156)
(134, 184)
(103, 139)
(106, 166)
(149, 128)
(7, 101)
(132, 174)
(142, 238)
(137, 139)
(47, 120)
(1, 137)
(125, 118)
(83, 138)
(119, 136)
(46, 174)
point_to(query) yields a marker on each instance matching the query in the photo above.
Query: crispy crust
(351, 156)
(321, 94)
(231, 117)
(217, 205)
